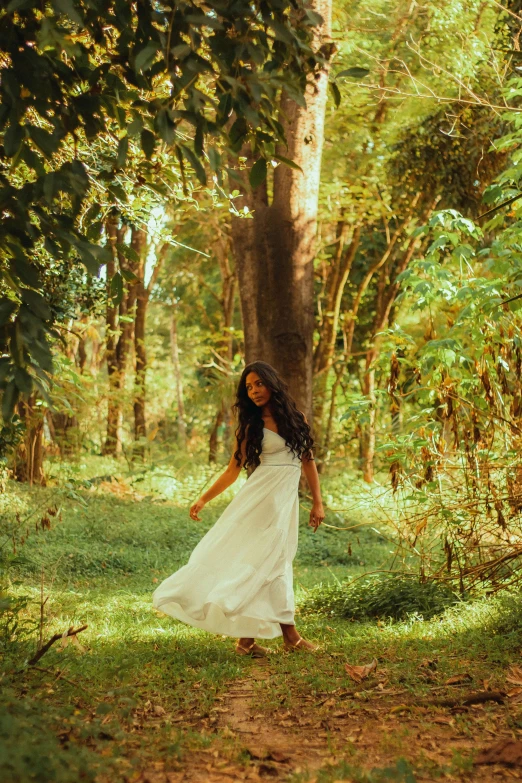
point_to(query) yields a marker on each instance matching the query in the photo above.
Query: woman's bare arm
(312, 477)
(223, 481)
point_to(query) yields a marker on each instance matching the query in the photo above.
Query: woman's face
(256, 389)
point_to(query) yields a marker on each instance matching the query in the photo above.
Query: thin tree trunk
(213, 439)
(112, 443)
(28, 460)
(140, 353)
(226, 348)
(119, 335)
(274, 251)
(143, 293)
(325, 351)
(182, 427)
(368, 430)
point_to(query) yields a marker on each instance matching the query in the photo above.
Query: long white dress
(239, 580)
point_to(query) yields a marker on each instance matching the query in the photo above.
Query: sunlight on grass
(101, 562)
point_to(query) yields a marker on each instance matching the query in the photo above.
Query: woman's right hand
(195, 509)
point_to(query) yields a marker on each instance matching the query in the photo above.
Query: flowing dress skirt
(239, 580)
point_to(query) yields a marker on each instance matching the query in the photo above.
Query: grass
(103, 707)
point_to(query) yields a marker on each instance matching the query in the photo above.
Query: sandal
(299, 647)
(258, 652)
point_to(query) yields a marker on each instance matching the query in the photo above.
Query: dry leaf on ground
(515, 675)
(359, 673)
(506, 752)
(458, 679)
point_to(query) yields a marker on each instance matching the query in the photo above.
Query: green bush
(379, 597)
(31, 751)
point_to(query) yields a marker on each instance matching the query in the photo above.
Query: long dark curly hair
(291, 424)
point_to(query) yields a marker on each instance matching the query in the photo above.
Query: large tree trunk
(274, 251)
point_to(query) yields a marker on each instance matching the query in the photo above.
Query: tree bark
(119, 333)
(140, 351)
(325, 350)
(226, 348)
(274, 250)
(143, 293)
(368, 430)
(182, 427)
(28, 460)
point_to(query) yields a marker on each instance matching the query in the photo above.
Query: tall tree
(275, 248)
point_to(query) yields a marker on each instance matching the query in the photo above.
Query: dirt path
(363, 730)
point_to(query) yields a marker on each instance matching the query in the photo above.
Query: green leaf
(130, 277)
(258, 173)
(214, 158)
(127, 251)
(13, 138)
(41, 352)
(148, 143)
(117, 288)
(354, 73)
(165, 126)
(5, 368)
(27, 273)
(291, 163)
(7, 308)
(123, 148)
(37, 304)
(45, 141)
(195, 163)
(69, 8)
(23, 380)
(336, 93)
(9, 400)
(135, 127)
(145, 56)
(18, 5)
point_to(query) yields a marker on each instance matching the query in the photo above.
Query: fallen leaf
(400, 708)
(514, 692)
(257, 753)
(279, 755)
(359, 673)
(506, 752)
(443, 721)
(515, 673)
(428, 663)
(328, 628)
(458, 679)
(158, 710)
(227, 732)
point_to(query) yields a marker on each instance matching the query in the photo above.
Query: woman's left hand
(316, 515)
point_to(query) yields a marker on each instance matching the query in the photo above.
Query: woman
(238, 580)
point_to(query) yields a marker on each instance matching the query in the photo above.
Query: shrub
(379, 597)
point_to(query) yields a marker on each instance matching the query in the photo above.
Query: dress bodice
(276, 452)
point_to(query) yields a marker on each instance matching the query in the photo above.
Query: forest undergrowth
(139, 697)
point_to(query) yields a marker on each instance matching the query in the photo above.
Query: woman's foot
(293, 641)
(251, 648)
(300, 645)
